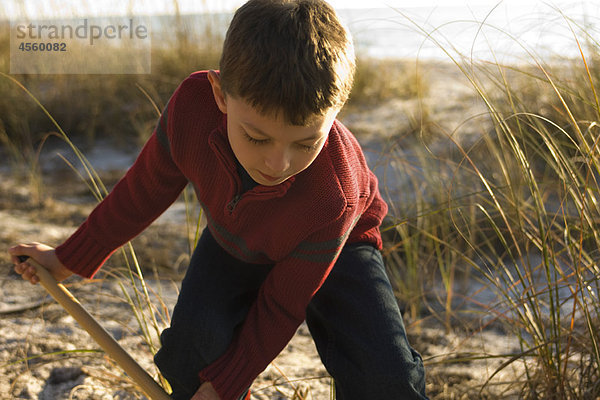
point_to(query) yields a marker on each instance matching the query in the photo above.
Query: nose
(277, 161)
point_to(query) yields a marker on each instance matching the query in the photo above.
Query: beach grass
(525, 226)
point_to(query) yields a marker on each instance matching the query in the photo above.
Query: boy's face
(270, 149)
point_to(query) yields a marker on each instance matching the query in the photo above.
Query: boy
(293, 216)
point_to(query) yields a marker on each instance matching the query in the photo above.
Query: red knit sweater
(300, 225)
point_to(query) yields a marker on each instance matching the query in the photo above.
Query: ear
(215, 82)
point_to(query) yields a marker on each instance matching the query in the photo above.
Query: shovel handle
(62, 295)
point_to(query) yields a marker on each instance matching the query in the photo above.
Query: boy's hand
(41, 253)
(206, 392)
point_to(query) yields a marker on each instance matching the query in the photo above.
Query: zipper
(244, 198)
(233, 203)
(258, 193)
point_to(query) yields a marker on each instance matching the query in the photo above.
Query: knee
(207, 341)
(185, 351)
(407, 367)
(407, 377)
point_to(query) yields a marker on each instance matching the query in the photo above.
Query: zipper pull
(233, 203)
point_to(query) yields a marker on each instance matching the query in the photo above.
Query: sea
(506, 32)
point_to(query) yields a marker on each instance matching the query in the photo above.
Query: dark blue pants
(354, 320)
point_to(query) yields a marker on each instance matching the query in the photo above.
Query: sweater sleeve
(279, 309)
(148, 188)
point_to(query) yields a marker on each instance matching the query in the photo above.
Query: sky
(57, 8)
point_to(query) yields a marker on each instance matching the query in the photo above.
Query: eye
(306, 148)
(254, 140)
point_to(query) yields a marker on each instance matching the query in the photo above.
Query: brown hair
(288, 56)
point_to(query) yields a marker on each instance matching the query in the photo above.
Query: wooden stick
(62, 295)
